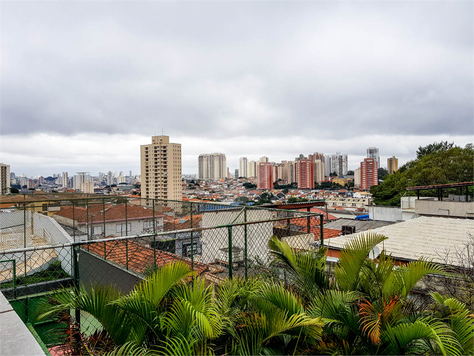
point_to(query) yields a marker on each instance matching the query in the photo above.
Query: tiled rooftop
(139, 256)
(112, 213)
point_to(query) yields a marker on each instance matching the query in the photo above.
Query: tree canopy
(437, 163)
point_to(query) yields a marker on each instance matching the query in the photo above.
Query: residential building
(392, 165)
(305, 173)
(252, 169)
(368, 173)
(116, 220)
(87, 187)
(318, 171)
(318, 160)
(243, 167)
(79, 179)
(161, 169)
(336, 163)
(373, 152)
(357, 178)
(265, 175)
(212, 166)
(263, 159)
(4, 178)
(64, 180)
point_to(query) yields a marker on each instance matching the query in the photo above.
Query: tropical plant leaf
(352, 258)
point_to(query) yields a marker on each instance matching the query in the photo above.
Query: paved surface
(15, 338)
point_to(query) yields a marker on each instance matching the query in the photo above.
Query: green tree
(433, 147)
(439, 166)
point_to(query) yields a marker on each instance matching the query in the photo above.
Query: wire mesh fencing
(52, 245)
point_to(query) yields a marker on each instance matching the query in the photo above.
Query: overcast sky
(85, 83)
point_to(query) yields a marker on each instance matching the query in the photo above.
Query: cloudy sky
(85, 83)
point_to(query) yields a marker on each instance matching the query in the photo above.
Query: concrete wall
(215, 240)
(116, 228)
(385, 213)
(445, 208)
(95, 270)
(16, 339)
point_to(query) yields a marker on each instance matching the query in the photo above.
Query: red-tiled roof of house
(139, 256)
(95, 213)
(315, 228)
(182, 223)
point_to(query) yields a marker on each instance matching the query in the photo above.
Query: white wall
(214, 240)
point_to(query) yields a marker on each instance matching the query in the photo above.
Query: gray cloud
(212, 70)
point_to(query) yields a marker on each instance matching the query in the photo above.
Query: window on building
(97, 230)
(123, 228)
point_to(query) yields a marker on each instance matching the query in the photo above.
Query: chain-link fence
(48, 245)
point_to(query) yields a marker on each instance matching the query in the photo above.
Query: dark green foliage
(249, 185)
(53, 272)
(363, 308)
(436, 164)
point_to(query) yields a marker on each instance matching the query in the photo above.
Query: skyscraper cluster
(305, 171)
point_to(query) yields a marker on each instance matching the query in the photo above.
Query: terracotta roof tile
(139, 256)
(315, 229)
(112, 213)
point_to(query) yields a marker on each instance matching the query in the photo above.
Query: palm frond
(406, 277)
(306, 269)
(352, 258)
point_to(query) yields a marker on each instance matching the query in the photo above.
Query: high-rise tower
(243, 165)
(368, 173)
(161, 169)
(392, 165)
(4, 178)
(373, 152)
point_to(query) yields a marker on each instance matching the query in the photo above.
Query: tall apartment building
(64, 180)
(252, 169)
(318, 171)
(160, 164)
(357, 178)
(265, 175)
(373, 152)
(79, 179)
(4, 178)
(263, 159)
(212, 166)
(336, 163)
(243, 166)
(368, 173)
(305, 173)
(392, 165)
(319, 166)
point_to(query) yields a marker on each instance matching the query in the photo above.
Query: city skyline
(189, 162)
(85, 83)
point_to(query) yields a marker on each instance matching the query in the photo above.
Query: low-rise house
(95, 222)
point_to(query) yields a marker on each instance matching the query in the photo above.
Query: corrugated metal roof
(360, 225)
(427, 237)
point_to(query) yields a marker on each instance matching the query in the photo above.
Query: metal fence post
(24, 234)
(154, 237)
(89, 237)
(321, 225)
(75, 258)
(126, 234)
(245, 243)
(229, 230)
(73, 222)
(192, 238)
(103, 213)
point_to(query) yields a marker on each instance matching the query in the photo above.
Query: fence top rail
(163, 233)
(100, 198)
